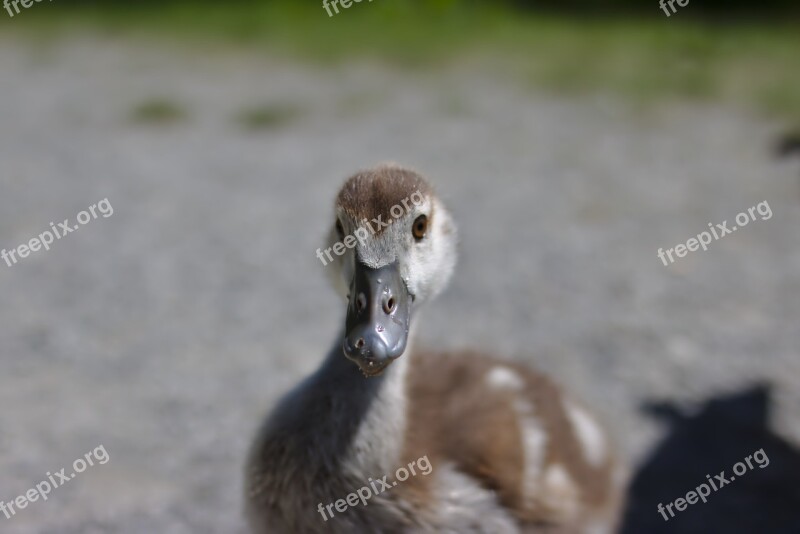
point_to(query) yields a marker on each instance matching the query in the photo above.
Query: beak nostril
(378, 316)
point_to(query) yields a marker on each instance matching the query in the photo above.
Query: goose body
(493, 446)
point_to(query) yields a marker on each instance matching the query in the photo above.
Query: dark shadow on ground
(723, 432)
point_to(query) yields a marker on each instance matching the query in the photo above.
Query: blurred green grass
(643, 58)
(159, 110)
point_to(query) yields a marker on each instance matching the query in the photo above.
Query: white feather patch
(588, 433)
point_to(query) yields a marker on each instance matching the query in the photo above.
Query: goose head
(394, 247)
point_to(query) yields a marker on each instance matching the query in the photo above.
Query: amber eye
(339, 229)
(420, 227)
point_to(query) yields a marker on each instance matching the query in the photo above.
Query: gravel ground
(166, 331)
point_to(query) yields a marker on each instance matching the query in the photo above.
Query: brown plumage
(372, 193)
(458, 417)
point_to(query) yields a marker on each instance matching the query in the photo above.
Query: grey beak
(378, 318)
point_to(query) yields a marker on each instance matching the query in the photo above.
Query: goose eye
(420, 227)
(339, 229)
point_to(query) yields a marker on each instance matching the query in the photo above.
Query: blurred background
(571, 140)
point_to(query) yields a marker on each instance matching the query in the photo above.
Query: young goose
(506, 451)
